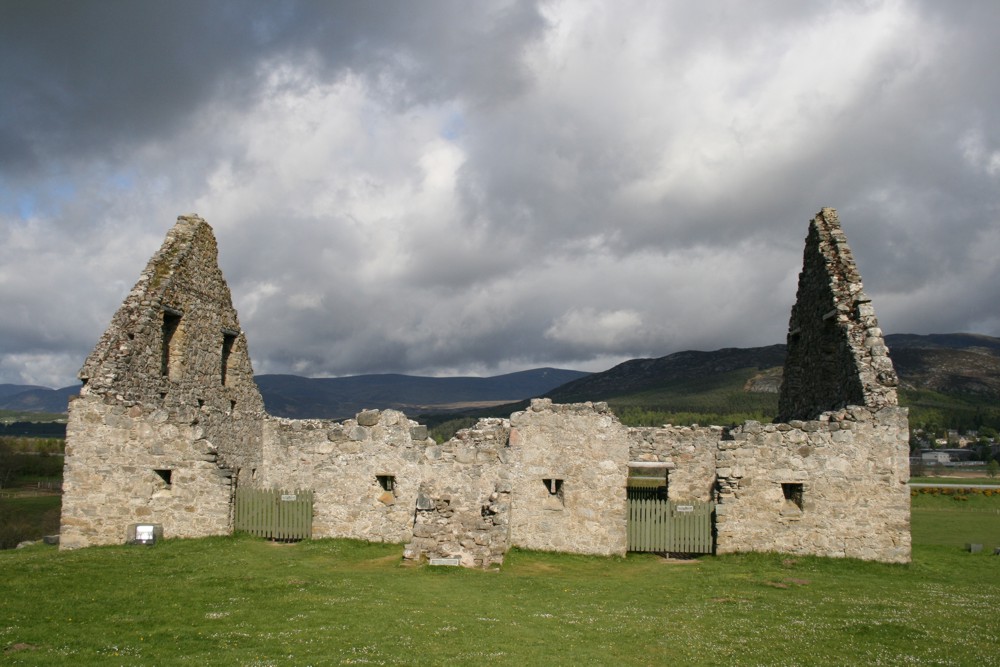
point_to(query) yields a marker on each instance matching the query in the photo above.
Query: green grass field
(955, 521)
(243, 601)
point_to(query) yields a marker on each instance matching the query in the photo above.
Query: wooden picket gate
(272, 513)
(667, 526)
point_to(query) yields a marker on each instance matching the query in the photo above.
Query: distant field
(970, 479)
(243, 601)
(954, 521)
(27, 517)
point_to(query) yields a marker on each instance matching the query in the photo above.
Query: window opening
(171, 323)
(228, 340)
(648, 480)
(555, 500)
(387, 482)
(648, 483)
(166, 476)
(792, 492)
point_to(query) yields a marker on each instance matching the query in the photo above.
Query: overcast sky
(479, 187)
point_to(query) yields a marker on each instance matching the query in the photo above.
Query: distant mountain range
(950, 363)
(963, 367)
(31, 398)
(340, 398)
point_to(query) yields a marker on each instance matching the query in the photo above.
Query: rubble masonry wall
(852, 467)
(169, 388)
(169, 419)
(583, 450)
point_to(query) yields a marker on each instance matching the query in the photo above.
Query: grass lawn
(243, 601)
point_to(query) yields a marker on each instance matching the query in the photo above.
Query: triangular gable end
(177, 332)
(836, 353)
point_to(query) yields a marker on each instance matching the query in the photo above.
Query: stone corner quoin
(170, 424)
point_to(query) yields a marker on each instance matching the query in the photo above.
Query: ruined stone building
(169, 423)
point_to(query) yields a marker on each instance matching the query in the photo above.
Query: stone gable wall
(132, 418)
(836, 353)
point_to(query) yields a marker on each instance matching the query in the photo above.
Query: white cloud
(588, 328)
(442, 191)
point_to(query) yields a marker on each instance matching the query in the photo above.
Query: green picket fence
(275, 514)
(669, 526)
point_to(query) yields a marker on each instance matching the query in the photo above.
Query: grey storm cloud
(453, 187)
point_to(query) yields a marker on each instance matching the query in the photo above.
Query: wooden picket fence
(664, 526)
(273, 513)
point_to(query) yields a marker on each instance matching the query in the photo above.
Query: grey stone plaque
(453, 562)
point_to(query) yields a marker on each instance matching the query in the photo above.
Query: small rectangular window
(387, 482)
(793, 493)
(555, 500)
(165, 477)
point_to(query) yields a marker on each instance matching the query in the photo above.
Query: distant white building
(935, 456)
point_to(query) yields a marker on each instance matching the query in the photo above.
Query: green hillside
(715, 399)
(948, 382)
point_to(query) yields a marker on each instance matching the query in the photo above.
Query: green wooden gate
(666, 526)
(276, 514)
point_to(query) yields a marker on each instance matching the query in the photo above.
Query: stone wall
(447, 526)
(463, 507)
(365, 471)
(569, 478)
(836, 354)
(688, 450)
(128, 465)
(378, 477)
(169, 419)
(835, 486)
(169, 388)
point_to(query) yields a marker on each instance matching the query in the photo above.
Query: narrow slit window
(228, 340)
(554, 487)
(171, 323)
(793, 493)
(387, 482)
